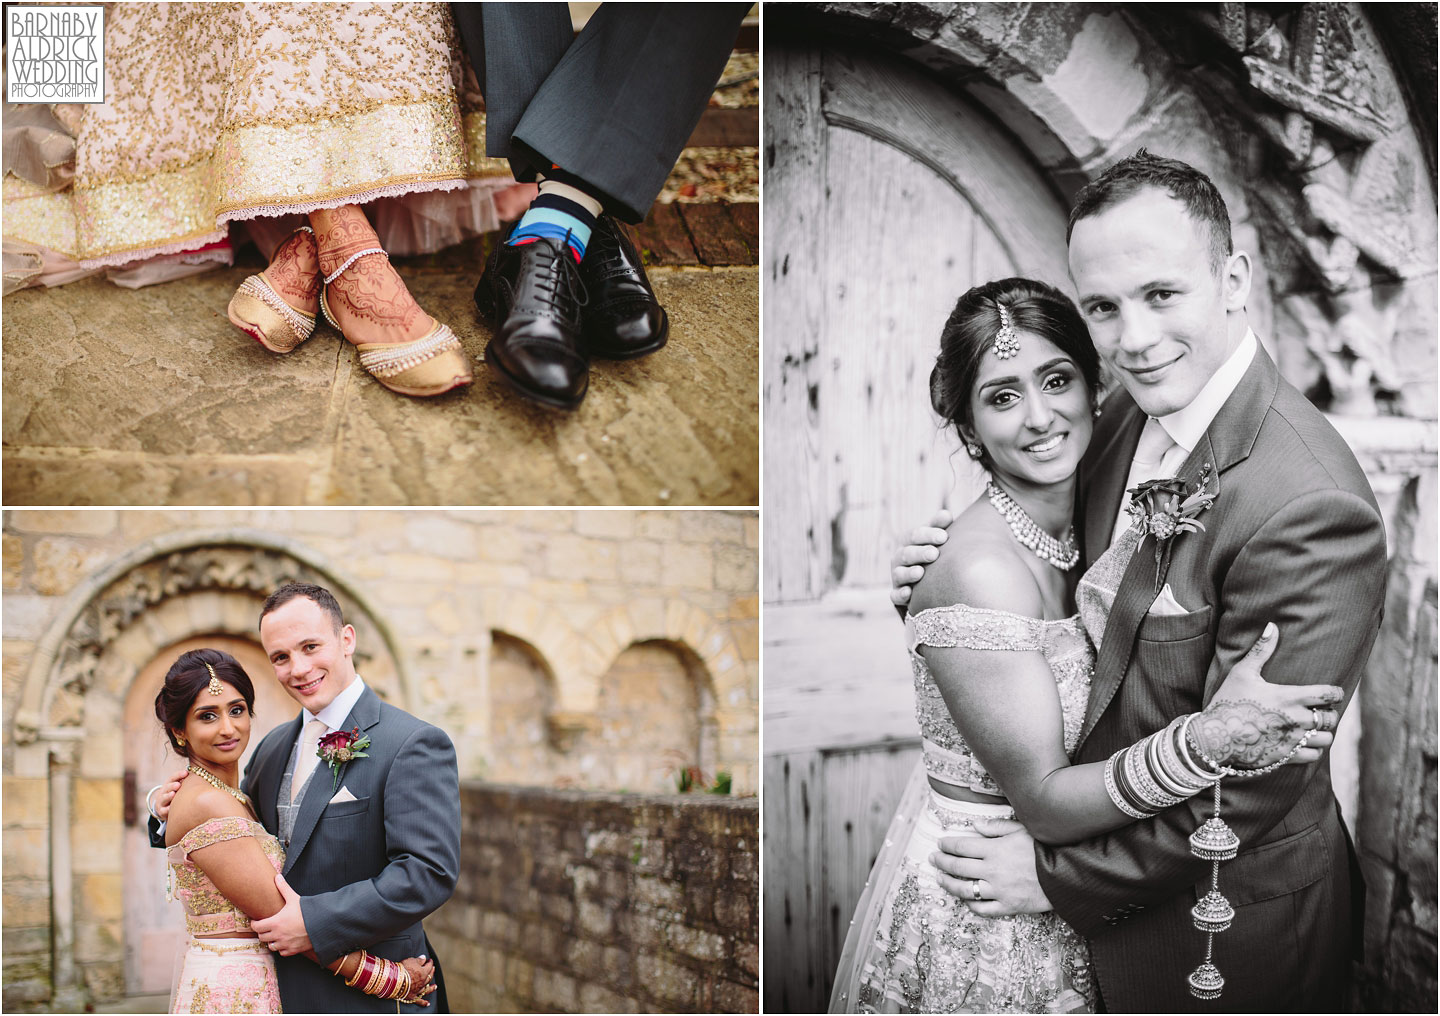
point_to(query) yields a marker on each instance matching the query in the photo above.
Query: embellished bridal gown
(255, 113)
(912, 947)
(915, 948)
(219, 974)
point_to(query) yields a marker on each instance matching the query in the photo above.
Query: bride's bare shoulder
(979, 566)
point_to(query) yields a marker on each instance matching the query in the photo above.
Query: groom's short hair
(1180, 180)
(319, 595)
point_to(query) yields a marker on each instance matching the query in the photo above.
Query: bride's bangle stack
(380, 977)
(1159, 771)
(1151, 775)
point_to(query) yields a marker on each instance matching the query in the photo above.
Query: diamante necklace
(218, 783)
(1063, 554)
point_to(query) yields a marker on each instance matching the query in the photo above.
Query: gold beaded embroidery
(207, 910)
(227, 111)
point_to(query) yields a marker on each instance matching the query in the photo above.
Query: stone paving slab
(151, 397)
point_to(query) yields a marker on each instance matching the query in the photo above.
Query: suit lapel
(1106, 486)
(365, 714)
(1227, 441)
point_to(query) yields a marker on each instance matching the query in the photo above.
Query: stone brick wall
(589, 606)
(583, 902)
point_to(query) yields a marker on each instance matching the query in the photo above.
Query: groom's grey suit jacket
(1295, 537)
(371, 868)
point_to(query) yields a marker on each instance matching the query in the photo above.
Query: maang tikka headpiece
(214, 684)
(1007, 343)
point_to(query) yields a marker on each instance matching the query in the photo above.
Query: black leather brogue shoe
(532, 294)
(623, 319)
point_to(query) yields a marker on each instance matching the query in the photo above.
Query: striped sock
(561, 212)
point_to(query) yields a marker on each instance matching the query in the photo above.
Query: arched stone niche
(577, 661)
(169, 589)
(654, 715)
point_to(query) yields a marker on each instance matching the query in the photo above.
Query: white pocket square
(1166, 605)
(344, 795)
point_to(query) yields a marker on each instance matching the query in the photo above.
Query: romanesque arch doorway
(887, 195)
(82, 702)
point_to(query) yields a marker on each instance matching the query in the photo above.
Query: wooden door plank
(797, 533)
(790, 856)
(836, 673)
(860, 788)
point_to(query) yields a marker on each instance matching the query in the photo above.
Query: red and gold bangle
(377, 971)
(354, 978)
(402, 983)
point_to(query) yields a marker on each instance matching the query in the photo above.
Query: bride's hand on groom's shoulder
(907, 567)
(1253, 724)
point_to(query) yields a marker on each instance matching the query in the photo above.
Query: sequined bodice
(1065, 648)
(207, 910)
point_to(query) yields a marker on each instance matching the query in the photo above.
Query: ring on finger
(975, 890)
(1315, 720)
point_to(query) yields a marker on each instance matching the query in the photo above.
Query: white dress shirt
(334, 714)
(1186, 426)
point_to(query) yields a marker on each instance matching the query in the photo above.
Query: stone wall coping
(697, 800)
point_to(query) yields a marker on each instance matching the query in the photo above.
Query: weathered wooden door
(886, 197)
(154, 928)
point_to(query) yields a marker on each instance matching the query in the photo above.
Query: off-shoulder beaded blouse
(207, 910)
(1065, 648)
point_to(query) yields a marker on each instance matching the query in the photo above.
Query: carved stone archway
(169, 589)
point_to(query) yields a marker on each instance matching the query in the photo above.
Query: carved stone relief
(235, 568)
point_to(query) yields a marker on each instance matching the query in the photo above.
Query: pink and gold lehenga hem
(218, 113)
(226, 975)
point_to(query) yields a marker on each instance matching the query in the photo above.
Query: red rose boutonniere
(1166, 508)
(340, 747)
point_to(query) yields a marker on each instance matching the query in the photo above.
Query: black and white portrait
(1100, 348)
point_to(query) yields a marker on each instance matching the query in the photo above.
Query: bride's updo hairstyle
(187, 678)
(969, 336)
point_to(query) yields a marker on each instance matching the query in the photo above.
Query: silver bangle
(150, 797)
(1114, 791)
(1143, 783)
(1185, 755)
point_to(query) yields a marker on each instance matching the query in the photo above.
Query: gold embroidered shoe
(260, 312)
(430, 365)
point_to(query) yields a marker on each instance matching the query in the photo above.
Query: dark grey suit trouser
(613, 105)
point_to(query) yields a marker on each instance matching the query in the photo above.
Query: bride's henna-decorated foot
(277, 307)
(369, 299)
(294, 272)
